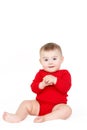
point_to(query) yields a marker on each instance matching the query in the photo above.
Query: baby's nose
(50, 61)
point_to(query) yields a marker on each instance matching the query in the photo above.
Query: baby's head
(51, 57)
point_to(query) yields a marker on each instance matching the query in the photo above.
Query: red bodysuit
(52, 94)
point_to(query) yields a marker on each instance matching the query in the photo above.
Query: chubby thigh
(33, 107)
(43, 108)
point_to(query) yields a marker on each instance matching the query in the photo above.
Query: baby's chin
(51, 70)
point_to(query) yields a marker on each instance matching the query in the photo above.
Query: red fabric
(45, 108)
(54, 93)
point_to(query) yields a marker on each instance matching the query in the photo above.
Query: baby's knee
(68, 111)
(25, 102)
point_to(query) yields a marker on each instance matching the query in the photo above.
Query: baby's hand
(49, 80)
(42, 85)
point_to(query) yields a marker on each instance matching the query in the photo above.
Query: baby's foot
(12, 118)
(39, 119)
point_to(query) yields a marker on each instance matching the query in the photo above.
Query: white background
(25, 25)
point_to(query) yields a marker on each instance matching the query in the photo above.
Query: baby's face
(51, 60)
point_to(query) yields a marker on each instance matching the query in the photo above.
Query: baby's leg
(26, 108)
(61, 111)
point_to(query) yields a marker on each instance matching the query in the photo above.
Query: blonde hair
(51, 46)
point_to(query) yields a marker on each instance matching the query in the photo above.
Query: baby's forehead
(48, 53)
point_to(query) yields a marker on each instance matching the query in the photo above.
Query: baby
(51, 85)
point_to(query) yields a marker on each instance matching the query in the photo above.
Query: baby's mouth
(51, 67)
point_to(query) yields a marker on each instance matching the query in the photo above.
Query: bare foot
(12, 118)
(39, 119)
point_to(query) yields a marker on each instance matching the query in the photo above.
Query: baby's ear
(62, 59)
(40, 60)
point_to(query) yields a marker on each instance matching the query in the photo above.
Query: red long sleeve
(54, 93)
(63, 83)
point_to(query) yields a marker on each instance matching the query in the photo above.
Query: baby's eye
(46, 59)
(54, 58)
